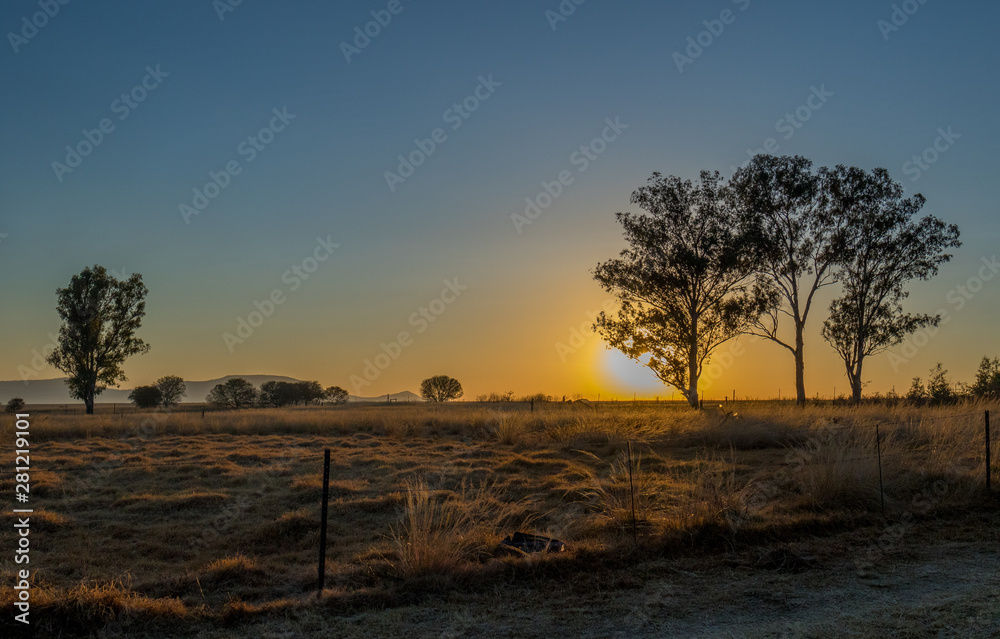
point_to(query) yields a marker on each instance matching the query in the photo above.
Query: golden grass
(218, 516)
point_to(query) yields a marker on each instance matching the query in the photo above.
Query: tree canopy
(235, 393)
(336, 395)
(440, 388)
(280, 393)
(171, 388)
(145, 396)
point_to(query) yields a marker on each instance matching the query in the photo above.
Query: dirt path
(924, 586)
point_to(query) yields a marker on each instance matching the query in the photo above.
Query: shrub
(145, 396)
(14, 405)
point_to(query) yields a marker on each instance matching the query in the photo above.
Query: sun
(617, 373)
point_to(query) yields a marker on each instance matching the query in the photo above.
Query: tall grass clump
(626, 489)
(439, 531)
(508, 428)
(703, 493)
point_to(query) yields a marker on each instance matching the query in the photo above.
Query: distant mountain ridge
(54, 391)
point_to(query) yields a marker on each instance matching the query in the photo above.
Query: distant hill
(53, 391)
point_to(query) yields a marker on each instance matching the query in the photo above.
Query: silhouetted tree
(884, 249)
(938, 386)
(686, 283)
(987, 384)
(271, 394)
(14, 405)
(280, 393)
(310, 392)
(235, 393)
(336, 395)
(781, 202)
(440, 388)
(917, 393)
(100, 316)
(145, 396)
(171, 388)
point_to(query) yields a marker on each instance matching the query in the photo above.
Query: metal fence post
(631, 485)
(989, 465)
(322, 523)
(881, 486)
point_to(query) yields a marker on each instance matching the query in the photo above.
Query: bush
(278, 394)
(145, 396)
(14, 405)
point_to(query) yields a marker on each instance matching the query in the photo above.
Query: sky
(368, 193)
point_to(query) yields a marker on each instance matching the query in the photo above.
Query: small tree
(336, 395)
(100, 316)
(917, 393)
(938, 386)
(235, 393)
(987, 384)
(145, 396)
(14, 405)
(440, 388)
(171, 388)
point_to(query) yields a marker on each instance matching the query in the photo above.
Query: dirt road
(926, 586)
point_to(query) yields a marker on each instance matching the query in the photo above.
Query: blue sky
(323, 175)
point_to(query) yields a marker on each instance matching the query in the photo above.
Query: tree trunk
(692, 394)
(89, 395)
(856, 385)
(800, 366)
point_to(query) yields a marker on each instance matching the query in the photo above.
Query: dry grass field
(763, 523)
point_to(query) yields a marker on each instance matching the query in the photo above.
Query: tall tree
(781, 203)
(100, 315)
(171, 388)
(885, 248)
(686, 283)
(440, 388)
